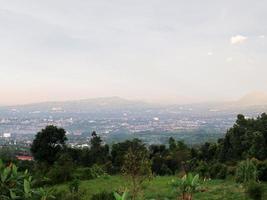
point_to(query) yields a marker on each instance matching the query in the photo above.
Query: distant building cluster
(5, 135)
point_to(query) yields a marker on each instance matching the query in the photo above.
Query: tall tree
(48, 143)
(137, 168)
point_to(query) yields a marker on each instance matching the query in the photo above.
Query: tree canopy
(48, 143)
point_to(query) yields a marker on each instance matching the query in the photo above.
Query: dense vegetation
(174, 170)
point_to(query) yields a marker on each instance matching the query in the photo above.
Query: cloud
(210, 53)
(238, 39)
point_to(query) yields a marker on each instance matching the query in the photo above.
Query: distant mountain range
(117, 104)
(252, 99)
(105, 104)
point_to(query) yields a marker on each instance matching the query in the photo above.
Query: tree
(137, 168)
(258, 146)
(48, 143)
(99, 153)
(119, 150)
(247, 138)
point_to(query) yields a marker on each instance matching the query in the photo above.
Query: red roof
(29, 158)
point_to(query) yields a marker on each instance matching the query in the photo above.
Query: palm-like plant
(124, 196)
(187, 185)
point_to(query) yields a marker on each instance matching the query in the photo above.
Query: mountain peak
(253, 98)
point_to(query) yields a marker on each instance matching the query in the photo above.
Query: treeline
(242, 153)
(245, 140)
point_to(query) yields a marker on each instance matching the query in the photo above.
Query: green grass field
(159, 188)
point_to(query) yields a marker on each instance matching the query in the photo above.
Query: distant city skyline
(159, 51)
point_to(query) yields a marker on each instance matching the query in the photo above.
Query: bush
(103, 196)
(218, 171)
(262, 170)
(82, 173)
(231, 170)
(203, 169)
(59, 174)
(87, 173)
(246, 172)
(96, 171)
(255, 191)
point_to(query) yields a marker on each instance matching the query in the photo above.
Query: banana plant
(17, 185)
(187, 185)
(124, 196)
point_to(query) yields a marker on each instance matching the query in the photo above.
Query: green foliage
(246, 139)
(119, 150)
(262, 170)
(103, 196)
(74, 186)
(66, 195)
(62, 170)
(187, 186)
(246, 172)
(124, 196)
(203, 169)
(255, 191)
(46, 194)
(137, 168)
(96, 171)
(218, 171)
(93, 172)
(17, 185)
(48, 144)
(8, 154)
(231, 170)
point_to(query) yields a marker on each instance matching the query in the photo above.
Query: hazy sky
(184, 50)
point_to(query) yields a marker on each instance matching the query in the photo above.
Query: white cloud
(238, 39)
(210, 53)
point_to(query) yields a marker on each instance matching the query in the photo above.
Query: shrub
(262, 170)
(61, 171)
(59, 175)
(96, 171)
(82, 173)
(103, 196)
(218, 171)
(255, 191)
(231, 170)
(87, 173)
(246, 172)
(203, 169)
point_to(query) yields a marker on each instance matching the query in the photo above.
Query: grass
(159, 188)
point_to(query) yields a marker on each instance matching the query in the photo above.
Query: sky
(165, 51)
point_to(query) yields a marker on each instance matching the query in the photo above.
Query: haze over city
(153, 50)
